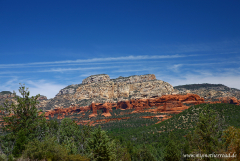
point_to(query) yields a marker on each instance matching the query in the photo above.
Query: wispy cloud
(221, 47)
(130, 70)
(126, 58)
(72, 69)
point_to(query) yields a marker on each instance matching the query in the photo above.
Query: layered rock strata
(96, 79)
(100, 89)
(172, 104)
(161, 104)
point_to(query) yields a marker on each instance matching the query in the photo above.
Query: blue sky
(48, 45)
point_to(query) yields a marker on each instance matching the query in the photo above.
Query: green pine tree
(69, 135)
(23, 123)
(100, 148)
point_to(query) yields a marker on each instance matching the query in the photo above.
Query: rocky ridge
(100, 88)
(210, 92)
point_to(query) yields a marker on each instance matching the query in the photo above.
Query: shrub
(3, 157)
(232, 140)
(47, 149)
(77, 157)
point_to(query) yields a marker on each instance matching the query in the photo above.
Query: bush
(3, 157)
(47, 149)
(232, 141)
(77, 157)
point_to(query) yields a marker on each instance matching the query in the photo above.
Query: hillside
(181, 124)
(210, 92)
(218, 87)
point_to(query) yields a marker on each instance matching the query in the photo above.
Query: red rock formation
(124, 105)
(166, 104)
(230, 100)
(173, 104)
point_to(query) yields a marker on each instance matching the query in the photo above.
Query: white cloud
(42, 87)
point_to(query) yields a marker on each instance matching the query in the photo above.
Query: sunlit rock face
(116, 90)
(100, 89)
(96, 78)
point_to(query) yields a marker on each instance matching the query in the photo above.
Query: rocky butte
(100, 89)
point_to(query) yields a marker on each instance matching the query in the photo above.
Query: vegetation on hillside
(5, 92)
(201, 129)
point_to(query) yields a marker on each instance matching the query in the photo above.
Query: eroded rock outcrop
(135, 78)
(162, 104)
(101, 89)
(172, 104)
(230, 100)
(122, 90)
(96, 79)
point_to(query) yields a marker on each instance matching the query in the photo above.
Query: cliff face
(100, 88)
